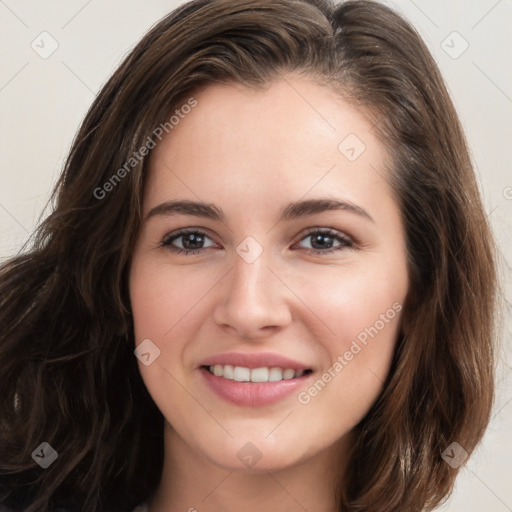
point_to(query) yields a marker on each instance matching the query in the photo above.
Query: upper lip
(254, 360)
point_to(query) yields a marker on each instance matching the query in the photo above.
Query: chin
(255, 454)
(262, 462)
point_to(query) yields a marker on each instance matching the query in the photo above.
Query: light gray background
(42, 101)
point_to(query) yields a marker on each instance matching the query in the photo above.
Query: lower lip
(252, 394)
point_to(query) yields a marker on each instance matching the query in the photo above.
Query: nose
(254, 302)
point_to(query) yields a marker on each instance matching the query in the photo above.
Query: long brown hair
(68, 374)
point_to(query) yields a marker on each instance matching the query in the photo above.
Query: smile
(253, 387)
(264, 374)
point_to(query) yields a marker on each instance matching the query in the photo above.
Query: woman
(268, 282)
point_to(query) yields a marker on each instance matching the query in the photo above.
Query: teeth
(227, 372)
(275, 374)
(243, 374)
(288, 374)
(259, 375)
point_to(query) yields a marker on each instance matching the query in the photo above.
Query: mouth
(253, 380)
(254, 375)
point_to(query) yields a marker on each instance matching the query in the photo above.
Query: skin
(251, 153)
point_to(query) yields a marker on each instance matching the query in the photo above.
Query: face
(273, 318)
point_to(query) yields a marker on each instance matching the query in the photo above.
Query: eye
(192, 241)
(322, 241)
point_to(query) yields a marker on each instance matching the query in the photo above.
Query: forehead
(287, 139)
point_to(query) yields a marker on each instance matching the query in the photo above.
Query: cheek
(164, 306)
(354, 304)
(168, 308)
(361, 317)
(164, 299)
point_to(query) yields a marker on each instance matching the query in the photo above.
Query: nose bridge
(251, 279)
(253, 297)
(251, 275)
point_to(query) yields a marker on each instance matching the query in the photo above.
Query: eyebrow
(294, 210)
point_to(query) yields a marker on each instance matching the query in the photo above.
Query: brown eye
(192, 241)
(323, 241)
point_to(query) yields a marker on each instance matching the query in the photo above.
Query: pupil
(194, 240)
(320, 238)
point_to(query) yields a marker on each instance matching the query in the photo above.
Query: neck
(191, 482)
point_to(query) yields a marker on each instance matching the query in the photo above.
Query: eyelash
(346, 242)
